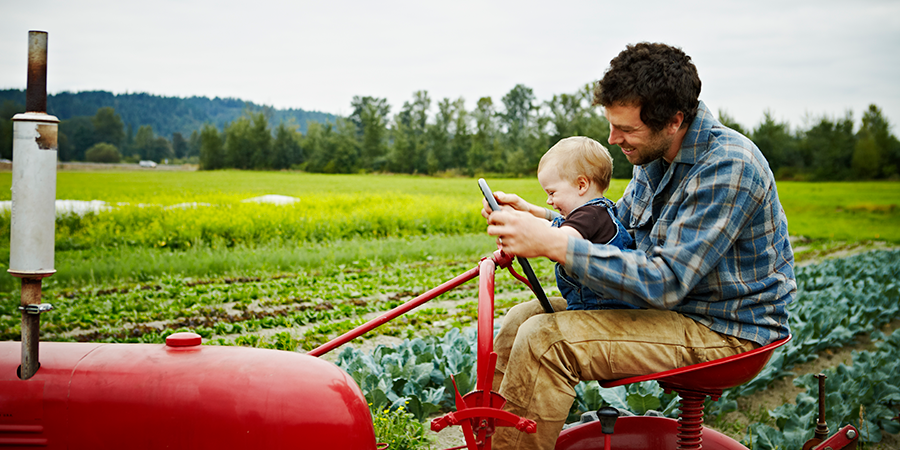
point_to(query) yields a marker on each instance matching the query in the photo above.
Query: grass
(839, 211)
(858, 211)
(347, 218)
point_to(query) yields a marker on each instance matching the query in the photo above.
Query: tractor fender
(181, 396)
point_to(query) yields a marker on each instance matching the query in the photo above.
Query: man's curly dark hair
(659, 78)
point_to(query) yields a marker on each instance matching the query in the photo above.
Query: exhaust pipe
(32, 225)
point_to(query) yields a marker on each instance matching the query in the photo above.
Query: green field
(196, 223)
(182, 251)
(841, 211)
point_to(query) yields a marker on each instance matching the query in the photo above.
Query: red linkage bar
(485, 325)
(390, 315)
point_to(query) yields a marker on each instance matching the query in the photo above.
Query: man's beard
(655, 147)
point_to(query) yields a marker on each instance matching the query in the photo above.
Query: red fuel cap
(183, 340)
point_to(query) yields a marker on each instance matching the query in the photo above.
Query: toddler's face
(562, 195)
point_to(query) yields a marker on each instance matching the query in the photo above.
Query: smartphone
(488, 194)
(526, 266)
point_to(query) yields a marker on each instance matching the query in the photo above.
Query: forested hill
(166, 115)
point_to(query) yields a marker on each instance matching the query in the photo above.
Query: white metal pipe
(33, 219)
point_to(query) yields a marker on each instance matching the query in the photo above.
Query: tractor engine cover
(180, 395)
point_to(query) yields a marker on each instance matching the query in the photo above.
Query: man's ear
(675, 122)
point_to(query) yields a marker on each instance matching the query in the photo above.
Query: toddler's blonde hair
(580, 156)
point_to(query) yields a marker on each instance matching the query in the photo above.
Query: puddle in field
(273, 199)
(82, 207)
(63, 207)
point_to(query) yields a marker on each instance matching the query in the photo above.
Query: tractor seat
(694, 383)
(709, 377)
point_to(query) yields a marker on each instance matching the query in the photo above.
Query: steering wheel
(526, 266)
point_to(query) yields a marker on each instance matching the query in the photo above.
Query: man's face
(638, 142)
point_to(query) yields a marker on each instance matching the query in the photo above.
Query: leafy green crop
(416, 371)
(865, 394)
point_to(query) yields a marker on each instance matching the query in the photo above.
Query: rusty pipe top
(36, 91)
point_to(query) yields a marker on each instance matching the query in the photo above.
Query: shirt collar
(696, 140)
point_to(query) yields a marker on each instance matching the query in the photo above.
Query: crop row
(311, 306)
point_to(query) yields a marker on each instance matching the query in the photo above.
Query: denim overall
(577, 296)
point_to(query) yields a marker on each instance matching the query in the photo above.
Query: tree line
(103, 138)
(508, 138)
(166, 115)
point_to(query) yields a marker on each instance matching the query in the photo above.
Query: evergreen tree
(179, 145)
(516, 119)
(79, 132)
(150, 147)
(316, 146)
(880, 150)
(830, 144)
(344, 149)
(108, 127)
(779, 146)
(462, 138)
(193, 148)
(567, 113)
(212, 148)
(239, 143)
(482, 155)
(438, 135)
(286, 149)
(370, 118)
(728, 121)
(408, 154)
(867, 160)
(260, 141)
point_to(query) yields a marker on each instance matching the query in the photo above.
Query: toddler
(575, 173)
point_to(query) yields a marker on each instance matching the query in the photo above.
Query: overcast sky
(797, 59)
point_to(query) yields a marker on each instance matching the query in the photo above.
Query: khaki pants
(541, 357)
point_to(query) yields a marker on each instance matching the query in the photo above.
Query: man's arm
(714, 208)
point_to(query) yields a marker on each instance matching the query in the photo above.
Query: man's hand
(520, 233)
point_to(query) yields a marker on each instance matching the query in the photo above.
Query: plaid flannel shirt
(711, 237)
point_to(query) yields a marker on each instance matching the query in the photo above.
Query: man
(712, 270)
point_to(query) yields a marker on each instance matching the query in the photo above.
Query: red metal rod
(485, 324)
(520, 277)
(390, 315)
